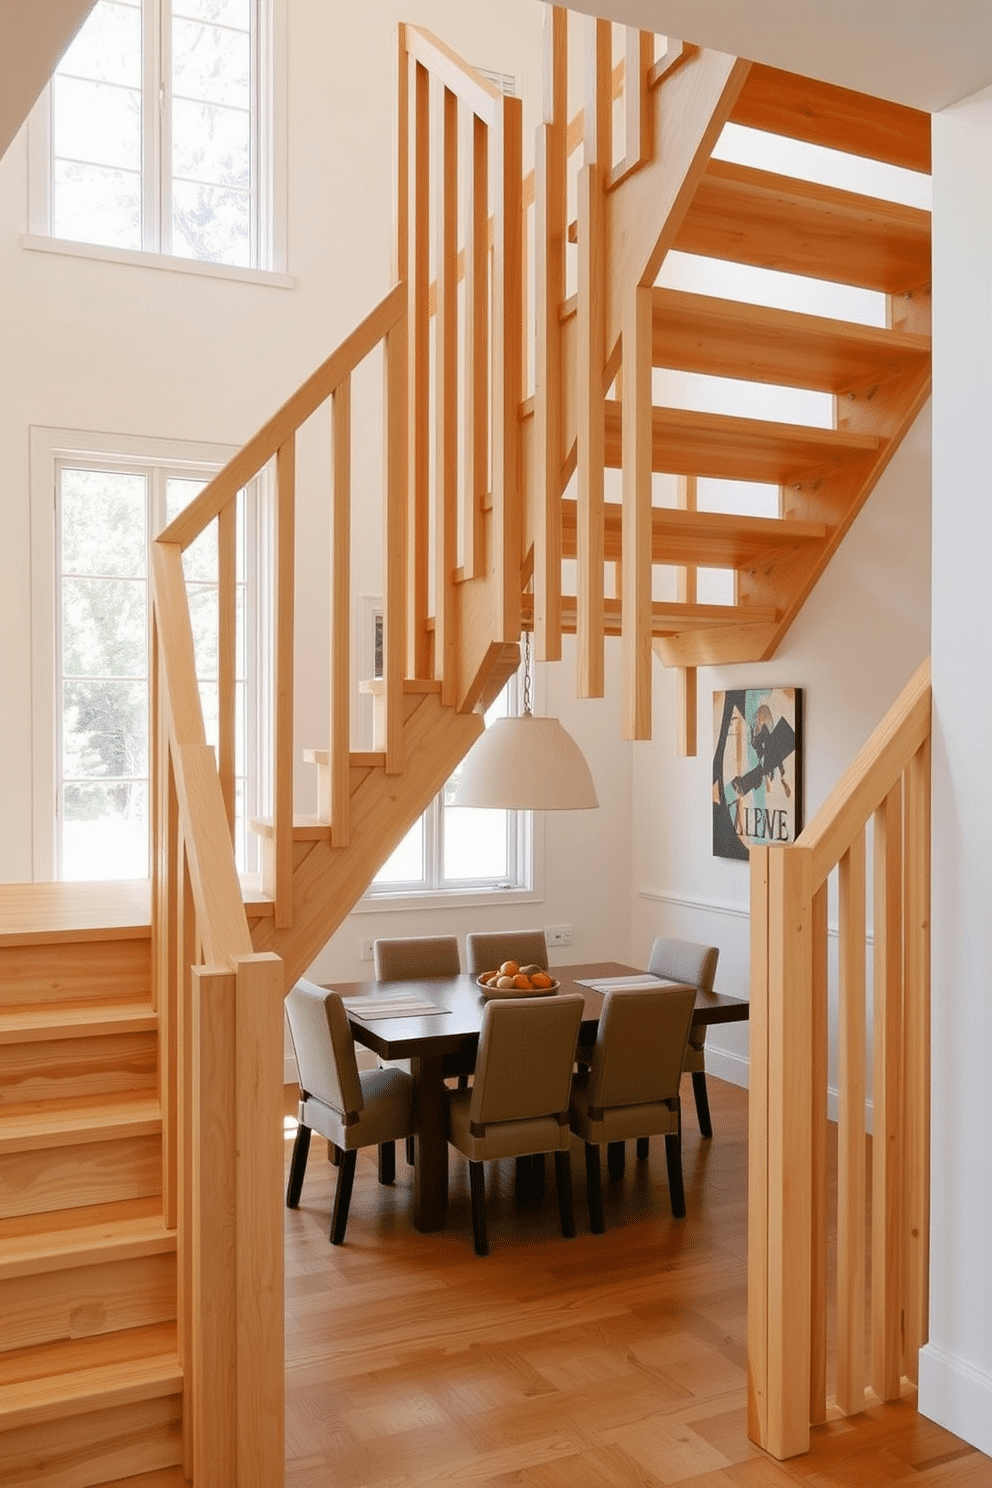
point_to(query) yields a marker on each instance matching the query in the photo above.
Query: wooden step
(800, 227)
(69, 970)
(838, 118)
(98, 1295)
(52, 1381)
(73, 1123)
(100, 1447)
(78, 1065)
(305, 828)
(20, 1024)
(755, 343)
(687, 442)
(33, 1244)
(667, 618)
(710, 539)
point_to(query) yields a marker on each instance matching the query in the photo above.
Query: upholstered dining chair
(518, 1105)
(631, 1088)
(352, 1108)
(403, 958)
(488, 949)
(685, 962)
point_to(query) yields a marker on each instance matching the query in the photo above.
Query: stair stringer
(644, 212)
(328, 881)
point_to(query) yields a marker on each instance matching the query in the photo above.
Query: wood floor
(607, 1361)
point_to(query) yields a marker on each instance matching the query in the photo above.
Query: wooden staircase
(91, 1386)
(139, 1083)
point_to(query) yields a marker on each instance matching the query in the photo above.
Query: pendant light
(526, 764)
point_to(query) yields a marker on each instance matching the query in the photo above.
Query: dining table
(435, 1024)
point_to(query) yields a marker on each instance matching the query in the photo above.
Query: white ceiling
(927, 53)
(33, 36)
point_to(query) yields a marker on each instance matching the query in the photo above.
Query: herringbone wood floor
(607, 1361)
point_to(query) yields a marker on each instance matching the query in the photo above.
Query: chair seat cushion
(621, 1123)
(502, 1138)
(386, 1116)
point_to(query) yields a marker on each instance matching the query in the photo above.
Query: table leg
(430, 1173)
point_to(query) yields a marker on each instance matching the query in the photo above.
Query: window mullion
(157, 120)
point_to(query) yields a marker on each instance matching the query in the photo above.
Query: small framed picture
(757, 768)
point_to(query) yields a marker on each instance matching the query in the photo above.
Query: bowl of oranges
(511, 980)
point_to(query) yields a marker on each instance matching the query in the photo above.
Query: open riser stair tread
(667, 617)
(836, 118)
(771, 221)
(714, 539)
(690, 442)
(758, 343)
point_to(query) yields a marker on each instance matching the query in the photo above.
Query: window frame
(269, 101)
(52, 450)
(431, 891)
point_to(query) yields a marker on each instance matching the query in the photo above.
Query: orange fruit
(509, 968)
(541, 979)
(522, 981)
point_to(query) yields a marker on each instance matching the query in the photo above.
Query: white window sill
(445, 899)
(167, 261)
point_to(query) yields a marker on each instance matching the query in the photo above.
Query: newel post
(780, 1177)
(236, 1152)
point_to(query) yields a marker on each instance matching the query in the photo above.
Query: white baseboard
(723, 1065)
(957, 1396)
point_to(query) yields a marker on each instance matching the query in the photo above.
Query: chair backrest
(640, 1045)
(325, 1049)
(685, 962)
(401, 957)
(489, 949)
(526, 1052)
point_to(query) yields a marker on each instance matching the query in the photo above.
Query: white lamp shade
(526, 764)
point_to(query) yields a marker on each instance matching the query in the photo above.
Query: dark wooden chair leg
(342, 1195)
(673, 1158)
(463, 1082)
(537, 1172)
(702, 1103)
(521, 1177)
(594, 1189)
(477, 1184)
(563, 1183)
(643, 1147)
(334, 1154)
(411, 1150)
(616, 1159)
(298, 1166)
(387, 1162)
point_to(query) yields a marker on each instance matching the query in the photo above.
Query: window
(106, 511)
(458, 849)
(158, 131)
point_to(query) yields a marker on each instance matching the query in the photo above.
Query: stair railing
(888, 785)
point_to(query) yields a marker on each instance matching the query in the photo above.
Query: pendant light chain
(526, 672)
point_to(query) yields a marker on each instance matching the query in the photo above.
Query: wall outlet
(558, 935)
(366, 950)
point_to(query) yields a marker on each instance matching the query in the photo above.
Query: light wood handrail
(265, 445)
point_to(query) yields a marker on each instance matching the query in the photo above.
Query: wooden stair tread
(688, 442)
(712, 539)
(362, 759)
(71, 1123)
(35, 912)
(839, 118)
(747, 215)
(667, 617)
(47, 1382)
(757, 343)
(75, 1020)
(305, 828)
(66, 1239)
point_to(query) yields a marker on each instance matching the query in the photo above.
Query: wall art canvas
(757, 768)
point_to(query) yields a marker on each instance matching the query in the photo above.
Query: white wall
(956, 1366)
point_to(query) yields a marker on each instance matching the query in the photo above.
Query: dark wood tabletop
(441, 1043)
